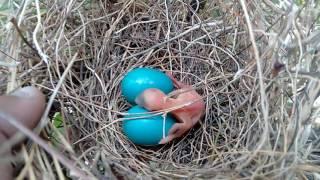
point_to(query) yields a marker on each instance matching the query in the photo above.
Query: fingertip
(29, 92)
(26, 105)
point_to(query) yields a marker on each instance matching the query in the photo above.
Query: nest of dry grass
(255, 63)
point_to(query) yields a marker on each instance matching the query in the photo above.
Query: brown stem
(15, 24)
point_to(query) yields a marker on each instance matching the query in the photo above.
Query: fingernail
(25, 92)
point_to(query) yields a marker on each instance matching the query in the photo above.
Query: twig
(43, 121)
(35, 32)
(264, 102)
(68, 163)
(14, 22)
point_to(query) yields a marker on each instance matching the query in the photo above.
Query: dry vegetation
(256, 63)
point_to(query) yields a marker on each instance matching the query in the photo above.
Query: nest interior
(253, 126)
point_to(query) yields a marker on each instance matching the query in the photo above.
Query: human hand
(26, 105)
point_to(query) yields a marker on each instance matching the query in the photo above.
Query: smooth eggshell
(145, 131)
(140, 79)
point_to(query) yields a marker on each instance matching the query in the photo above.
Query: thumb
(26, 105)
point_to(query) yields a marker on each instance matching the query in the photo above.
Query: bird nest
(254, 63)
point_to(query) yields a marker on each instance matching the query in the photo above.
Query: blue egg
(146, 131)
(140, 79)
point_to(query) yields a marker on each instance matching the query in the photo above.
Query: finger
(6, 169)
(26, 105)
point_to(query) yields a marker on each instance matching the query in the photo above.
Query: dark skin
(26, 105)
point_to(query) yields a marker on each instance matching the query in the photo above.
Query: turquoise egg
(145, 131)
(140, 79)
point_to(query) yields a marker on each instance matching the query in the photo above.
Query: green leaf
(58, 129)
(300, 2)
(57, 120)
